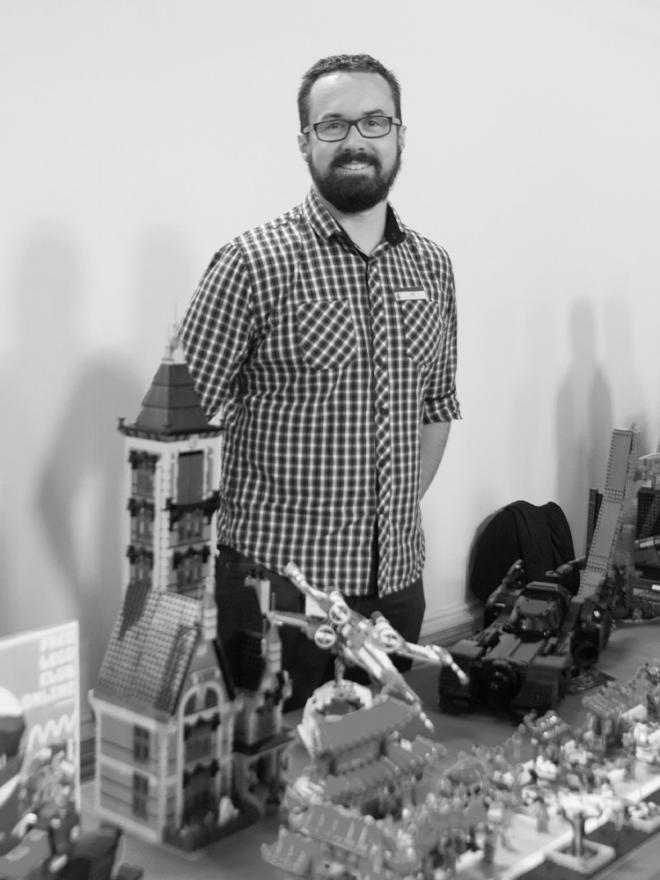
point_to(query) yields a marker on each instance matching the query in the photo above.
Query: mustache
(348, 156)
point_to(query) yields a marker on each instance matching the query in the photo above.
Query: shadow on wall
(45, 292)
(73, 479)
(71, 476)
(79, 499)
(584, 423)
(622, 347)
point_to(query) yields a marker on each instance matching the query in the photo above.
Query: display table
(238, 857)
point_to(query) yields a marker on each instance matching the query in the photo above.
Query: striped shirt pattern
(323, 364)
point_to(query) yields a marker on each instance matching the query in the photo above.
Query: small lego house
(189, 734)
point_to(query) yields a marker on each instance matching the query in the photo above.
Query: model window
(140, 795)
(141, 569)
(210, 486)
(140, 743)
(142, 523)
(191, 526)
(190, 485)
(143, 474)
(210, 698)
(198, 742)
(189, 572)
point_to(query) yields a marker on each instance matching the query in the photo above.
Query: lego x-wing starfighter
(357, 640)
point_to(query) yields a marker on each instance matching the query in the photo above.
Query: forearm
(432, 447)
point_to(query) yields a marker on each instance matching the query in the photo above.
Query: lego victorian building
(189, 735)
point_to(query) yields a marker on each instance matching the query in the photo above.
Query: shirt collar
(326, 227)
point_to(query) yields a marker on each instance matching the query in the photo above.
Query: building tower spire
(173, 456)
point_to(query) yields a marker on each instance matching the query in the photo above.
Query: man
(327, 338)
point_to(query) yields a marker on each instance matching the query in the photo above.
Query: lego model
(536, 635)
(12, 750)
(595, 777)
(586, 856)
(647, 532)
(39, 723)
(621, 466)
(63, 852)
(599, 796)
(635, 580)
(189, 736)
(49, 821)
(374, 804)
(173, 470)
(359, 641)
(369, 805)
(366, 807)
(40, 833)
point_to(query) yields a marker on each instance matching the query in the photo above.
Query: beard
(351, 193)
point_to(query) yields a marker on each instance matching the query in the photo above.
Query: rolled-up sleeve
(440, 400)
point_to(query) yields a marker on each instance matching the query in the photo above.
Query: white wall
(132, 146)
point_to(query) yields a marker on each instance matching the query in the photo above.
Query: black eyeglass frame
(392, 120)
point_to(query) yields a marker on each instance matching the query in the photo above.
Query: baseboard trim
(450, 624)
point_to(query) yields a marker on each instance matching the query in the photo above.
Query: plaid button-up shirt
(324, 364)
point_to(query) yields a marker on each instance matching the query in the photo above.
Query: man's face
(357, 173)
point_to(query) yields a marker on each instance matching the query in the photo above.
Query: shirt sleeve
(216, 330)
(440, 400)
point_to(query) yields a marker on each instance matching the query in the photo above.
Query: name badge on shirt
(410, 295)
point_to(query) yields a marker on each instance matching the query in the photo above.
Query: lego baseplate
(529, 854)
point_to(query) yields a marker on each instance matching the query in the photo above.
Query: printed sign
(39, 736)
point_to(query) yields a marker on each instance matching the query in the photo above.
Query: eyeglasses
(338, 129)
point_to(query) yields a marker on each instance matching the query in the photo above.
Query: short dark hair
(351, 64)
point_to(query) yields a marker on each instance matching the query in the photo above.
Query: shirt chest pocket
(325, 334)
(422, 327)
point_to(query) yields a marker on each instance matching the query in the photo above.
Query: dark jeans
(308, 665)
